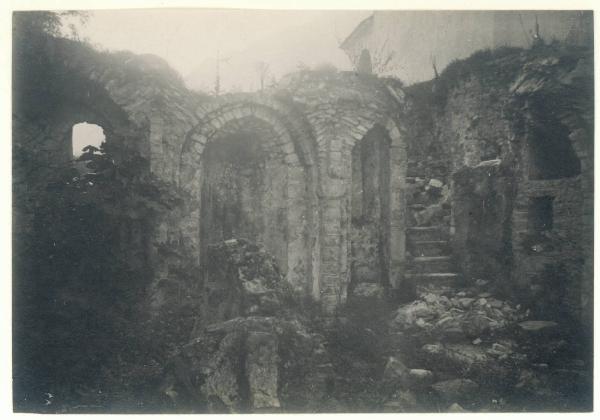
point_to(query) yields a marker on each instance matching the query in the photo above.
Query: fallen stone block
(419, 378)
(464, 390)
(402, 401)
(456, 408)
(394, 370)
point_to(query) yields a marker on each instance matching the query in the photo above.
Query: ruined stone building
(322, 170)
(356, 185)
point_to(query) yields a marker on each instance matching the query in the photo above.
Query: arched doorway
(370, 209)
(244, 188)
(250, 178)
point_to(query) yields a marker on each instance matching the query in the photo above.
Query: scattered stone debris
(467, 350)
(257, 354)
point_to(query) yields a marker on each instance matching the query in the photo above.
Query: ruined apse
(313, 170)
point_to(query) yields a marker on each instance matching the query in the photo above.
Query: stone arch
(336, 177)
(395, 240)
(287, 183)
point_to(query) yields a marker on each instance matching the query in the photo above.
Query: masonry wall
(485, 116)
(342, 108)
(313, 121)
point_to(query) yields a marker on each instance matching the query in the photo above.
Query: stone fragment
(429, 215)
(403, 401)
(430, 298)
(476, 324)
(456, 389)
(456, 408)
(495, 303)
(419, 378)
(537, 325)
(395, 370)
(408, 314)
(465, 302)
(457, 357)
(221, 386)
(421, 323)
(255, 287)
(435, 183)
(262, 369)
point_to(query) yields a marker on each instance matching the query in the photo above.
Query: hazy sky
(190, 38)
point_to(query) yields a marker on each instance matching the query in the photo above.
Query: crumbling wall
(342, 108)
(141, 104)
(554, 261)
(489, 120)
(310, 124)
(482, 203)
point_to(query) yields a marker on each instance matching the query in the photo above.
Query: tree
(262, 69)
(80, 279)
(47, 22)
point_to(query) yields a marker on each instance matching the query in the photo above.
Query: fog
(191, 39)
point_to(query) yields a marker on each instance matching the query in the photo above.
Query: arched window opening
(85, 134)
(551, 154)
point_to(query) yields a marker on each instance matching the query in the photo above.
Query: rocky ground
(465, 350)
(451, 350)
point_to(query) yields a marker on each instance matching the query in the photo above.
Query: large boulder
(252, 351)
(463, 390)
(254, 364)
(402, 401)
(488, 365)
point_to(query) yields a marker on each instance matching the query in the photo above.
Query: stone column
(398, 166)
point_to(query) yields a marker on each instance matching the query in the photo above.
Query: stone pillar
(333, 278)
(398, 165)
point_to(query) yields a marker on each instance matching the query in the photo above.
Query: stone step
(437, 264)
(417, 207)
(427, 233)
(447, 279)
(429, 248)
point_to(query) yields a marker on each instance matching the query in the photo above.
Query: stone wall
(513, 130)
(342, 108)
(555, 96)
(291, 191)
(482, 203)
(311, 124)
(322, 185)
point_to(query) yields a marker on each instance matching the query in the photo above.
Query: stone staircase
(430, 264)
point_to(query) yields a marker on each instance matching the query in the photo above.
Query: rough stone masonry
(321, 169)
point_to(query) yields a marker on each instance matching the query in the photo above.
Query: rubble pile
(254, 351)
(469, 351)
(450, 350)
(242, 279)
(429, 201)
